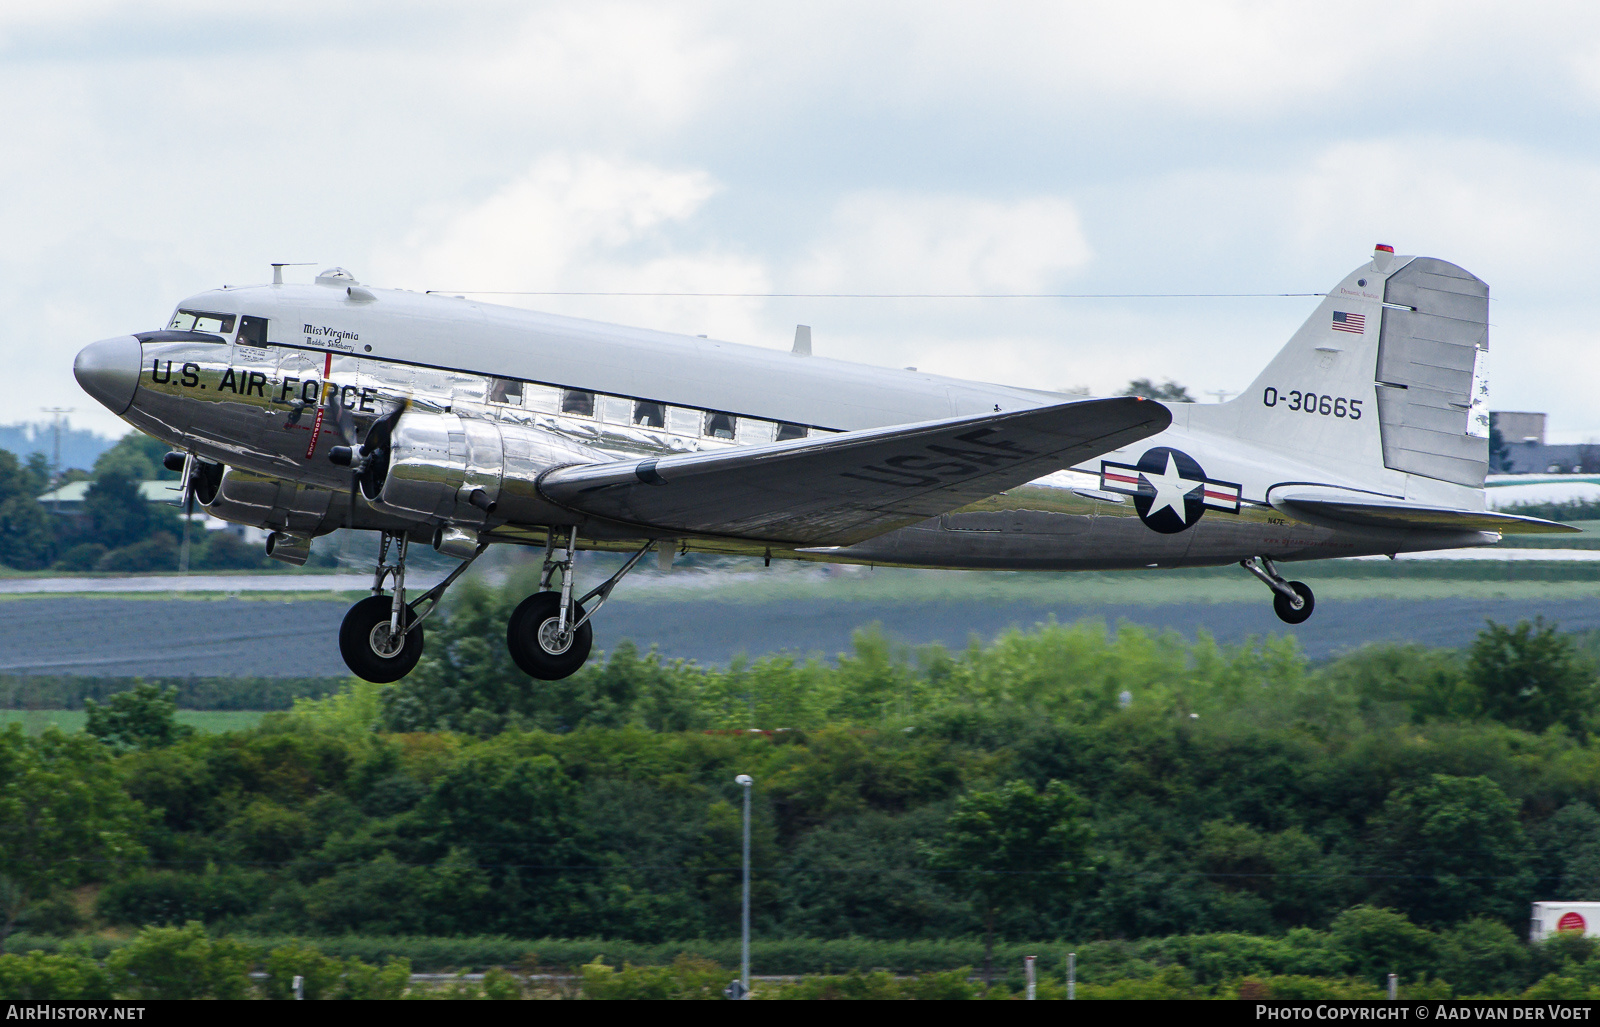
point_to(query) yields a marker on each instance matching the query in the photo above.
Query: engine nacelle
(263, 501)
(451, 468)
(439, 462)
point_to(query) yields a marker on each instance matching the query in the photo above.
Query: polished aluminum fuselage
(261, 410)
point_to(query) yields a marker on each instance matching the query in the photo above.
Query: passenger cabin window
(253, 330)
(719, 425)
(504, 390)
(649, 415)
(791, 431)
(576, 402)
(200, 321)
(614, 410)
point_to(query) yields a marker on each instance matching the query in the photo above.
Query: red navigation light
(1384, 247)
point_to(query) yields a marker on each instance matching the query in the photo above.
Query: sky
(150, 151)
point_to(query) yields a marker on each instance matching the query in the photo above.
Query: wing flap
(842, 489)
(1368, 511)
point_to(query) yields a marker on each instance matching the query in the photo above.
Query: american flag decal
(1343, 322)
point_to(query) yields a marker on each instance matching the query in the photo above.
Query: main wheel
(1286, 611)
(369, 650)
(533, 636)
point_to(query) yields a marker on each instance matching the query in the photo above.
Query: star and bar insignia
(1170, 486)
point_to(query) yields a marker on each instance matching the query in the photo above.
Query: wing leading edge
(843, 489)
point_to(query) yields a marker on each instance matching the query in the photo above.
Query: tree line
(1066, 782)
(119, 531)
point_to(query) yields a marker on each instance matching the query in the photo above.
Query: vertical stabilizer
(1388, 374)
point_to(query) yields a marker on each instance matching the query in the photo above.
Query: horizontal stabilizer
(1346, 507)
(842, 489)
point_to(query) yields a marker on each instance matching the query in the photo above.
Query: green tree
(1429, 684)
(35, 975)
(136, 456)
(118, 514)
(1379, 942)
(64, 818)
(144, 717)
(1288, 869)
(180, 963)
(1007, 846)
(322, 976)
(1483, 957)
(1531, 676)
(26, 535)
(1569, 847)
(514, 816)
(1168, 390)
(1451, 848)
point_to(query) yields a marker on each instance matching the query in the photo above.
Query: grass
(208, 721)
(1332, 580)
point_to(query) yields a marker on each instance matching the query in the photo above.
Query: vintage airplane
(433, 419)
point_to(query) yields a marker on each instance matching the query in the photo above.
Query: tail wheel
(369, 649)
(534, 638)
(1285, 609)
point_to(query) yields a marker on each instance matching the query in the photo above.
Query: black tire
(535, 656)
(1287, 613)
(359, 647)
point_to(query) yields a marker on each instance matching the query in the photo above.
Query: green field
(35, 721)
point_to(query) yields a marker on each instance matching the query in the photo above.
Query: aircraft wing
(1377, 512)
(843, 489)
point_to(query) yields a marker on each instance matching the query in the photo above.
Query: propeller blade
(339, 416)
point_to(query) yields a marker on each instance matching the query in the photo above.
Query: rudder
(1389, 373)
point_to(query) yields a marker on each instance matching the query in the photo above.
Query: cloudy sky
(148, 151)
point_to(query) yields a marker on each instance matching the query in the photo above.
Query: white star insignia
(1171, 490)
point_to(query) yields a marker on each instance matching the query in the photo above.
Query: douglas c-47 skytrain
(440, 421)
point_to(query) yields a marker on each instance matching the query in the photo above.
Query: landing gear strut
(381, 637)
(1292, 601)
(549, 635)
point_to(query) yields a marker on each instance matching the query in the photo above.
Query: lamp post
(744, 912)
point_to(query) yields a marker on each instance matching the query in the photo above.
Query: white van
(1551, 917)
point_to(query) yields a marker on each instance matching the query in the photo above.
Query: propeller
(368, 462)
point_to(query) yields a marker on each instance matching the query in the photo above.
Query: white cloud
(582, 222)
(645, 68)
(893, 242)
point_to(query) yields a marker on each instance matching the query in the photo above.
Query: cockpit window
(200, 321)
(252, 330)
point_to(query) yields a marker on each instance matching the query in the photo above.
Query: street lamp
(744, 913)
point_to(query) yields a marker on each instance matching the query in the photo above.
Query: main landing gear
(1292, 601)
(381, 637)
(549, 634)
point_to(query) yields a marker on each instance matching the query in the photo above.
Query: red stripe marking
(316, 429)
(1120, 477)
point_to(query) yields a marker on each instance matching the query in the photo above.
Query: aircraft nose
(109, 369)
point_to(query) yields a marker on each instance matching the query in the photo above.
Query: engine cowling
(451, 468)
(263, 501)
